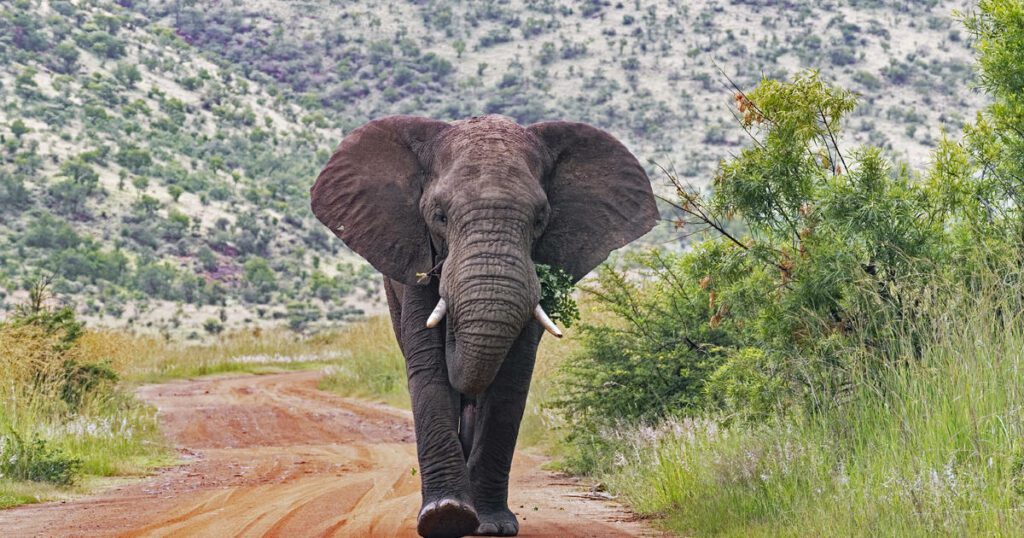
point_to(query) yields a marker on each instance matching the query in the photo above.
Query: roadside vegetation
(64, 417)
(924, 443)
(839, 351)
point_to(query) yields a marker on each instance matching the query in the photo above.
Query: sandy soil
(273, 456)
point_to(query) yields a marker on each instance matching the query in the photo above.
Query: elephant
(455, 215)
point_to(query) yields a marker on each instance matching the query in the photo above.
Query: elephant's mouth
(471, 371)
(483, 310)
(538, 313)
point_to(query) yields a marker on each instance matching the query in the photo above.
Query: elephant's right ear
(369, 192)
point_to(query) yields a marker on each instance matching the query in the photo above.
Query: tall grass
(932, 445)
(64, 418)
(373, 367)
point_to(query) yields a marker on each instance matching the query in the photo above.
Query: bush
(213, 326)
(35, 459)
(82, 380)
(927, 445)
(62, 414)
(135, 159)
(260, 279)
(13, 192)
(809, 249)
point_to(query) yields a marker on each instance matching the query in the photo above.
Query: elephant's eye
(441, 217)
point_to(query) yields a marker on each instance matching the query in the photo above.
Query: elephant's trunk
(491, 289)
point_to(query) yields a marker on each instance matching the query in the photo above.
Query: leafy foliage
(36, 460)
(50, 383)
(996, 140)
(811, 255)
(556, 299)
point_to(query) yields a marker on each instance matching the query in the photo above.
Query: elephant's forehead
(489, 142)
(486, 133)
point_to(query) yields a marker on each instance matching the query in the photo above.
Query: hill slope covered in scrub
(157, 155)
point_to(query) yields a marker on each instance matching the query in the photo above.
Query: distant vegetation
(644, 69)
(156, 155)
(167, 182)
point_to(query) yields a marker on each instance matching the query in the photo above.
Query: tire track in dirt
(273, 456)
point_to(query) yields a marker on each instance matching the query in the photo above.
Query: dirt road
(273, 456)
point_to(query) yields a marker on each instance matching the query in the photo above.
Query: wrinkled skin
(474, 205)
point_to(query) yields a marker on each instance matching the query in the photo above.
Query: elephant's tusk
(438, 314)
(546, 322)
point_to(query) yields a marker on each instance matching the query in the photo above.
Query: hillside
(157, 155)
(648, 70)
(161, 190)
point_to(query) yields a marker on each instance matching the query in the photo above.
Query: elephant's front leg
(499, 412)
(447, 505)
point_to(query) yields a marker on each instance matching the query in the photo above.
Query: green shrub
(13, 192)
(82, 380)
(808, 248)
(135, 159)
(213, 326)
(35, 459)
(927, 445)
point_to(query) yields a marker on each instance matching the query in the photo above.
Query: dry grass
(151, 359)
(64, 420)
(28, 354)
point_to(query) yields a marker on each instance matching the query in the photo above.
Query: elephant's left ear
(600, 197)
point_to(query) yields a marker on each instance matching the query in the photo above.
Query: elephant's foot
(500, 522)
(446, 518)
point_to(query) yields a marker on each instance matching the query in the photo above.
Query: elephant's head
(488, 198)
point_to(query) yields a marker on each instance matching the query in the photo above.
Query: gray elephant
(455, 215)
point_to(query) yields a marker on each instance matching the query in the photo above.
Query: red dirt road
(273, 456)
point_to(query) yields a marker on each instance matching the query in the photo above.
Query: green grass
(373, 367)
(933, 447)
(15, 492)
(65, 420)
